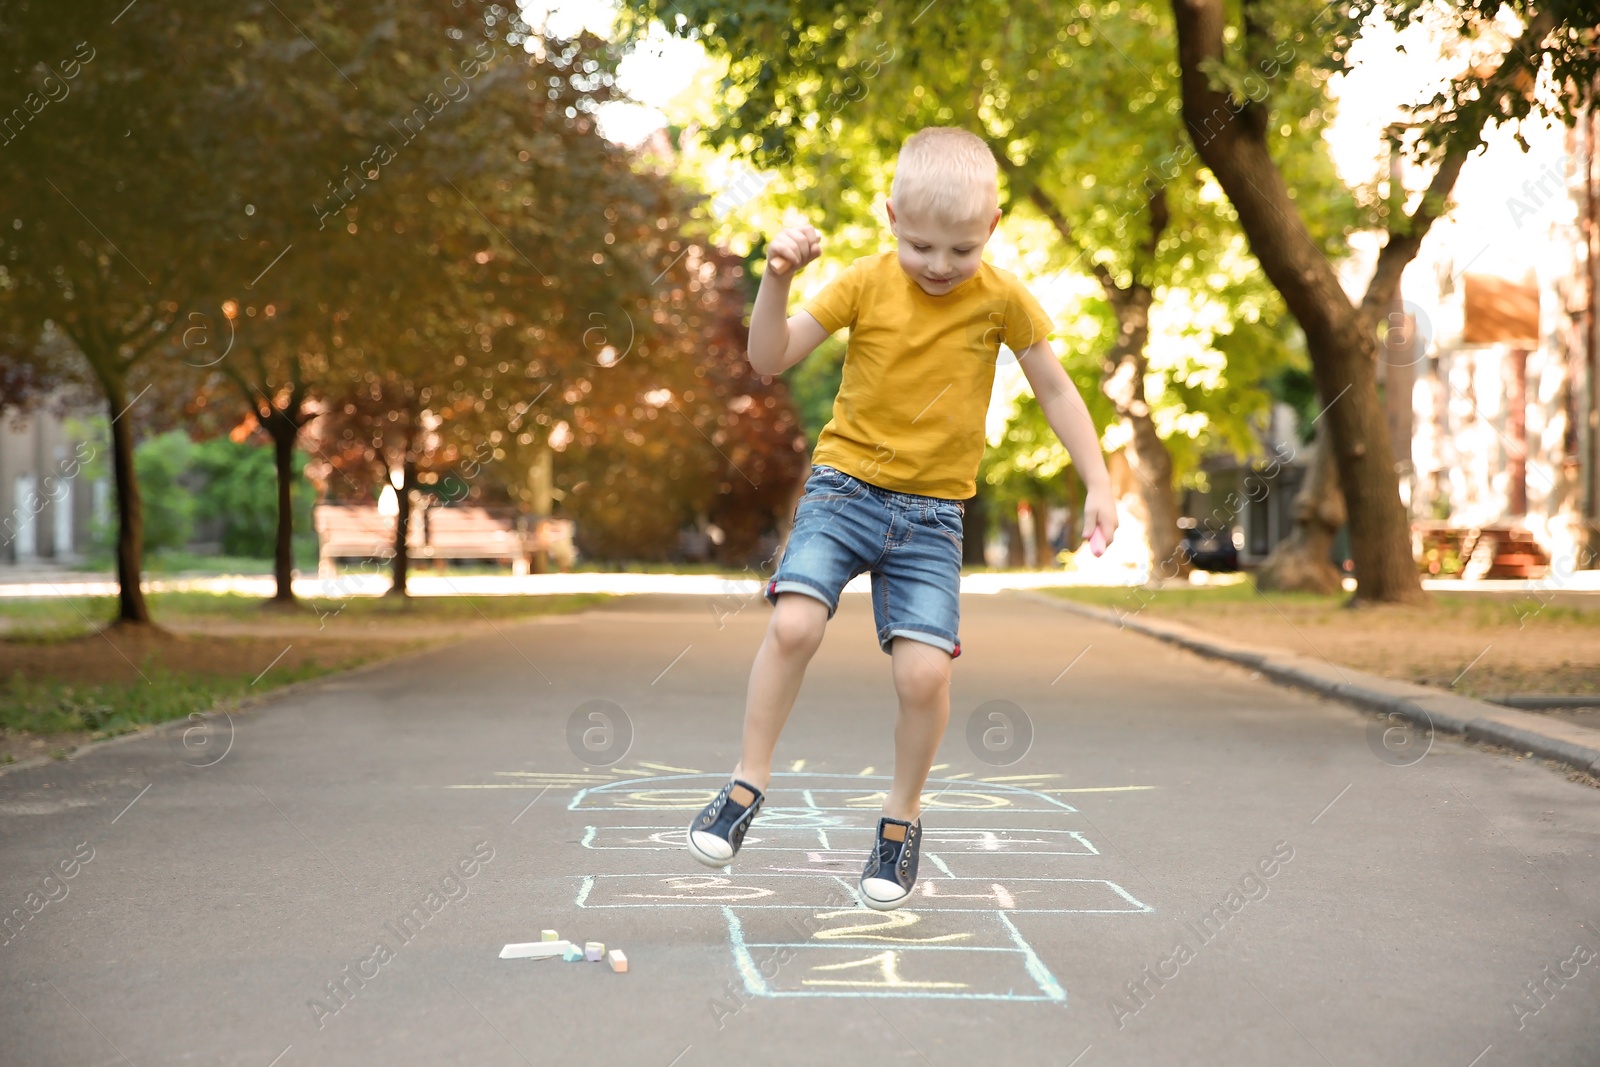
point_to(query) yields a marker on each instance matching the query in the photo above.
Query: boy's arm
(1068, 416)
(778, 342)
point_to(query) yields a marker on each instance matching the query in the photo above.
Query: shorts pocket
(949, 516)
(946, 518)
(826, 483)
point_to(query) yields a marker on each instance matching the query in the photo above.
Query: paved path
(1188, 866)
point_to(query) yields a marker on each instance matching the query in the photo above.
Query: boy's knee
(798, 622)
(920, 679)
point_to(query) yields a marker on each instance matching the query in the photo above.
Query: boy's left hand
(1099, 517)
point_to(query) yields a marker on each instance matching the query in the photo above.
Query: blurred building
(1492, 375)
(47, 501)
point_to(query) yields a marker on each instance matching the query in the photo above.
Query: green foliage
(63, 618)
(169, 504)
(1294, 386)
(1566, 51)
(1303, 47)
(60, 706)
(400, 214)
(240, 487)
(182, 482)
(1081, 107)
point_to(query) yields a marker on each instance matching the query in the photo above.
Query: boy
(891, 469)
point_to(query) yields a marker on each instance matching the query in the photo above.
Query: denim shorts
(911, 544)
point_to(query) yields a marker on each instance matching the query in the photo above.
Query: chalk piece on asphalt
(618, 961)
(534, 950)
(572, 954)
(594, 951)
(549, 935)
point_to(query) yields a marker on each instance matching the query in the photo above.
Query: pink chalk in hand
(1097, 542)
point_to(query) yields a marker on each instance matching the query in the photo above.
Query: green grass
(54, 706)
(464, 608)
(1131, 598)
(1483, 609)
(63, 706)
(171, 561)
(63, 618)
(653, 567)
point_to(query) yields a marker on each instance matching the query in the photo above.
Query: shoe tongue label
(893, 832)
(741, 796)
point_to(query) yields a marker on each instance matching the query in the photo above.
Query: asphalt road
(1187, 866)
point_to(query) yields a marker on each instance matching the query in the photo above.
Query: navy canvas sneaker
(718, 831)
(891, 872)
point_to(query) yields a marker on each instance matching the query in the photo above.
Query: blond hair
(948, 172)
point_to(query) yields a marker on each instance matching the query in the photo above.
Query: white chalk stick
(618, 960)
(533, 950)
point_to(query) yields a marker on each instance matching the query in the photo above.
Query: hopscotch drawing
(993, 855)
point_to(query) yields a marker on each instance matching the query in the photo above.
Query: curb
(1568, 743)
(1542, 702)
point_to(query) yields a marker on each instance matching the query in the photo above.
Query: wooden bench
(1497, 550)
(354, 531)
(469, 533)
(346, 531)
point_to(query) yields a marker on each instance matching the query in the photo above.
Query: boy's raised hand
(793, 248)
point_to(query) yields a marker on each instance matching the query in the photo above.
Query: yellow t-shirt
(918, 372)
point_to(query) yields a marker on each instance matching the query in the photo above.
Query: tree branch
(1406, 239)
(1237, 154)
(1048, 208)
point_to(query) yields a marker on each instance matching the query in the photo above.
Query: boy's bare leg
(922, 681)
(793, 636)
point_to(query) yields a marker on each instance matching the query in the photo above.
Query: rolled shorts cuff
(799, 585)
(945, 640)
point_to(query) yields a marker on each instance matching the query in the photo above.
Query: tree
(1235, 130)
(146, 157)
(101, 245)
(241, 492)
(536, 293)
(705, 440)
(276, 386)
(1077, 110)
(266, 334)
(37, 370)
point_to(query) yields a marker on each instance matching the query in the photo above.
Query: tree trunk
(285, 429)
(131, 606)
(1591, 331)
(1230, 136)
(400, 565)
(1300, 562)
(975, 530)
(1147, 454)
(1122, 380)
(1015, 558)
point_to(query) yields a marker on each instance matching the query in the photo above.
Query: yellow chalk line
(1101, 789)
